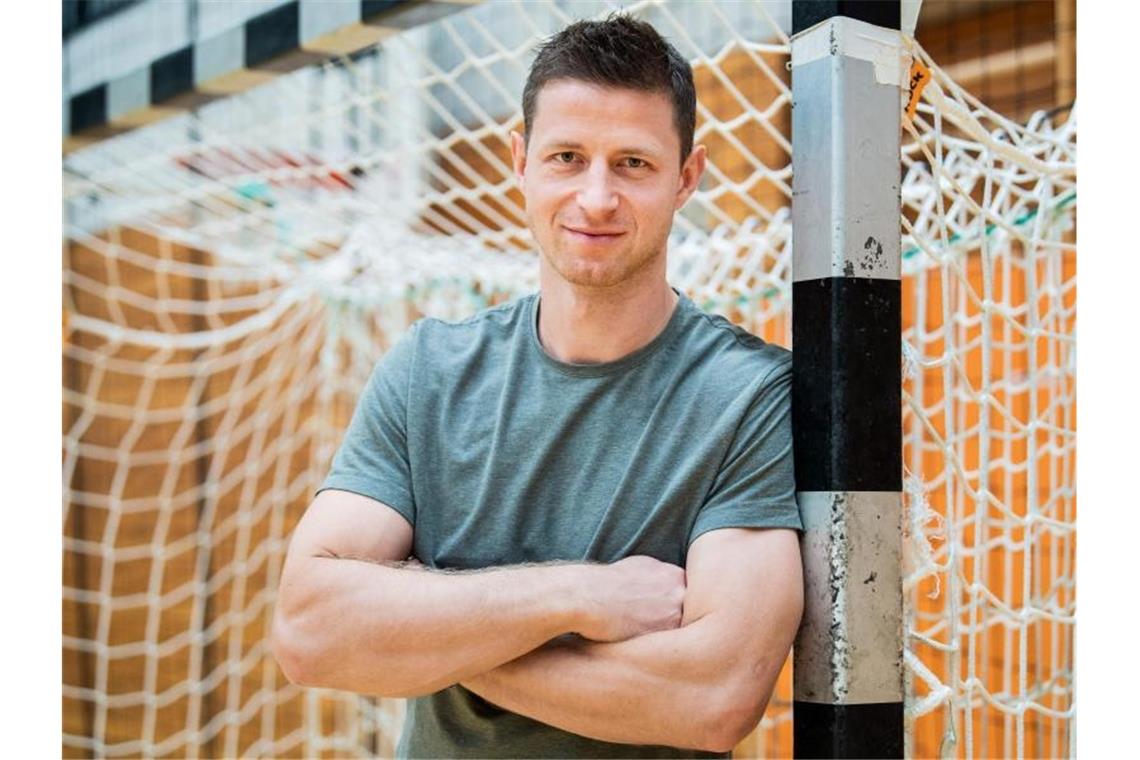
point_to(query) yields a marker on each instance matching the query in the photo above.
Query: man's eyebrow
(562, 144)
(642, 150)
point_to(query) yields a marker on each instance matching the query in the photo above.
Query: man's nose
(597, 196)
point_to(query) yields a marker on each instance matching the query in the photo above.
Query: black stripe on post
(88, 109)
(403, 14)
(369, 8)
(845, 331)
(172, 75)
(273, 33)
(825, 731)
(808, 13)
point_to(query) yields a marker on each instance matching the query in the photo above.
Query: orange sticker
(919, 76)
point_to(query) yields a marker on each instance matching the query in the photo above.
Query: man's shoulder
(730, 349)
(489, 324)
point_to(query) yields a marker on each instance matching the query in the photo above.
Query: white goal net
(231, 276)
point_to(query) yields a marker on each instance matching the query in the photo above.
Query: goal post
(847, 384)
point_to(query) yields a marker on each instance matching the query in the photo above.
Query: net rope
(232, 274)
(989, 268)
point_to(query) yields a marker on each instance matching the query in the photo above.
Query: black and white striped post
(847, 75)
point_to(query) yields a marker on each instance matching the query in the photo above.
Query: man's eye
(635, 163)
(565, 157)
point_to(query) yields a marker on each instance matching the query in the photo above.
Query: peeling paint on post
(849, 648)
(846, 398)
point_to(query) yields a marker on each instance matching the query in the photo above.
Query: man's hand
(634, 596)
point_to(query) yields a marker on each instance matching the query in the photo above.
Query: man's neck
(594, 325)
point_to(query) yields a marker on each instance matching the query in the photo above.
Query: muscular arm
(351, 616)
(348, 616)
(704, 685)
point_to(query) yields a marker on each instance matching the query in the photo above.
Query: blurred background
(259, 197)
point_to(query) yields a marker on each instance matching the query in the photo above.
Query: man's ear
(518, 157)
(691, 172)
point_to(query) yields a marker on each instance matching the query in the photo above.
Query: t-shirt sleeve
(373, 457)
(756, 487)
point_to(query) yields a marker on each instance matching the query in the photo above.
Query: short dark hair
(619, 51)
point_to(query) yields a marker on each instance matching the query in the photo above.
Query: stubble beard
(625, 267)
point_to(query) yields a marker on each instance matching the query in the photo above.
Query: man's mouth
(594, 235)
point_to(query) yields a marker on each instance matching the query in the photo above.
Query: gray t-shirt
(497, 454)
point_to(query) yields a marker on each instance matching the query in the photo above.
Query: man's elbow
(736, 713)
(301, 647)
(308, 659)
(290, 654)
(732, 724)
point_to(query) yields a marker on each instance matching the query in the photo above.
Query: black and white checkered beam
(280, 40)
(846, 341)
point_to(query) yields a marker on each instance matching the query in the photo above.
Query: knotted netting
(989, 419)
(231, 275)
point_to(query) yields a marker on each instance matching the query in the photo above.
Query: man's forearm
(666, 687)
(377, 629)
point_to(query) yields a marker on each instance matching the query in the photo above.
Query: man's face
(602, 178)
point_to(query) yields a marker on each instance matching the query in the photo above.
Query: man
(597, 479)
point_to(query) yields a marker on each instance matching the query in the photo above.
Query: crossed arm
(704, 684)
(362, 625)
